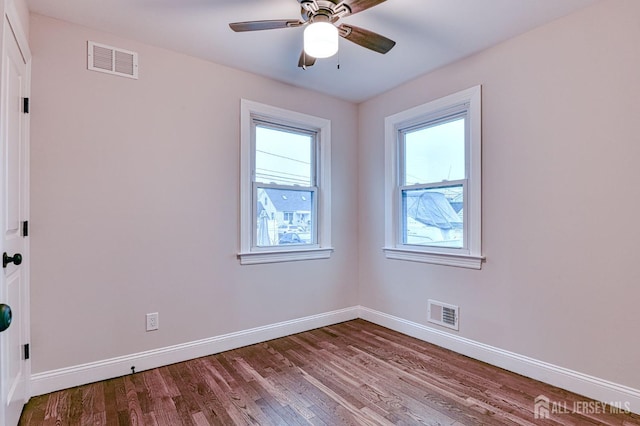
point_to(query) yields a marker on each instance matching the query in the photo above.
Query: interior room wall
(560, 170)
(23, 13)
(135, 204)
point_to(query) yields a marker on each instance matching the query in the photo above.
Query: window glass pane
(283, 157)
(435, 153)
(284, 217)
(433, 217)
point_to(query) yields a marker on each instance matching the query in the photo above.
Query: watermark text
(544, 408)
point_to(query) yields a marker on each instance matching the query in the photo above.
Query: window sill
(447, 259)
(277, 256)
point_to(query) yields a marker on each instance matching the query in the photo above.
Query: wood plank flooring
(353, 373)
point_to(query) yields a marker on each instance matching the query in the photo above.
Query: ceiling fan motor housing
(323, 10)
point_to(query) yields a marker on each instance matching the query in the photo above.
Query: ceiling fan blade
(264, 25)
(360, 5)
(305, 60)
(366, 38)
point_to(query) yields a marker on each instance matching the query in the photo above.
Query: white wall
(135, 203)
(561, 151)
(23, 14)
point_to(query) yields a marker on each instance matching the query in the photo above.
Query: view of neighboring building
(285, 212)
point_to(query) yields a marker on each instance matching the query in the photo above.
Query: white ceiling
(429, 34)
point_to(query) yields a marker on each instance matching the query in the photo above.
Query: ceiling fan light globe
(321, 40)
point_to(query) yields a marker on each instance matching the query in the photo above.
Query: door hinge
(25, 105)
(25, 228)
(26, 352)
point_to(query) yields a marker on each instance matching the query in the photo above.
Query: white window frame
(470, 255)
(321, 248)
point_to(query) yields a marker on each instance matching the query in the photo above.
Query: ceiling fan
(322, 32)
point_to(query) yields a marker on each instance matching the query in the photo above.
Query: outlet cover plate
(153, 321)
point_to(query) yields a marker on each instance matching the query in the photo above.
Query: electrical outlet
(153, 321)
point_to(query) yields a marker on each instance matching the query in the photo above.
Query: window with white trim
(285, 185)
(433, 182)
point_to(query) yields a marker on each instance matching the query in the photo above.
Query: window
(433, 187)
(285, 184)
(288, 216)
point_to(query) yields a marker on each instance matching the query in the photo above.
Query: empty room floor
(352, 373)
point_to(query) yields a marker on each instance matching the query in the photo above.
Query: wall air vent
(112, 60)
(442, 314)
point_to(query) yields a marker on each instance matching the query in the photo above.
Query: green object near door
(5, 317)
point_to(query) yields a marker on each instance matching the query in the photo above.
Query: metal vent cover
(443, 314)
(112, 60)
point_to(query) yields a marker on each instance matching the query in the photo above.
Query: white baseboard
(64, 378)
(582, 384)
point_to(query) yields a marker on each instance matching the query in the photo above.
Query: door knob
(5, 317)
(6, 259)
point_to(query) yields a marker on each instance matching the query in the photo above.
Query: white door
(14, 279)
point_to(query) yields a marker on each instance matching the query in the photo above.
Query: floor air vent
(443, 314)
(112, 60)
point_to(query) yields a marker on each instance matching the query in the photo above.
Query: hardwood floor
(353, 373)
